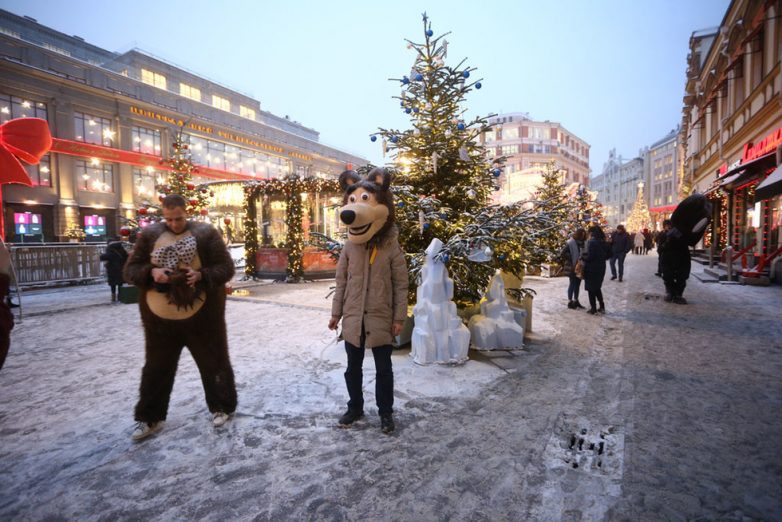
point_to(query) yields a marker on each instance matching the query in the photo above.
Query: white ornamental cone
(439, 335)
(495, 328)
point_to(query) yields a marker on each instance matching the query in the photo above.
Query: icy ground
(686, 401)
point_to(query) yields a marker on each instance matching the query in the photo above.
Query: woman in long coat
(114, 258)
(595, 258)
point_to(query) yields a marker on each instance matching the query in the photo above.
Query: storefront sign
(763, 147)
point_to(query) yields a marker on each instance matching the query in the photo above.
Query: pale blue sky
(611, 71)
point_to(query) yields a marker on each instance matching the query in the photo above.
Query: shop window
(221, 103)
(246, 112)
(152, 78)
(188, 91)
(93, 129)
(12, 107)
(95, 176)
(146, 140)
(40, 174)
(144, 182)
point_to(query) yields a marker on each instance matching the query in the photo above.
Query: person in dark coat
(6, 317)
(114, 258)
(675, 263)
(569, 255)
(621, 244)
(595, 268)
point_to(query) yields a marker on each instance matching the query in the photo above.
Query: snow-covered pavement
(685, 399)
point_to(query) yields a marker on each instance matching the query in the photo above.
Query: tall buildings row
(113, 118)
(732, 126)
(655, 171)
(529, 146)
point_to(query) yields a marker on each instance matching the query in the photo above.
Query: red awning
(667, 208)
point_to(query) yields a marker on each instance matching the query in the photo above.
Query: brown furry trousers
(205, 336)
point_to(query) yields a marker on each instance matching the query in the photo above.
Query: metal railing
(57, 263)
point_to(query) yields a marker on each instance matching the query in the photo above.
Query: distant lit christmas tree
(445, 180)
(553, 200)
(179, 181)
(639, 217)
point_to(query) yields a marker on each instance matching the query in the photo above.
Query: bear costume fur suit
(168, 327)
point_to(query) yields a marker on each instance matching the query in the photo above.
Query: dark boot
(577, 304)
(602, 308)
(571, 304)
(592, 311)
(350, 417)
(387, 423)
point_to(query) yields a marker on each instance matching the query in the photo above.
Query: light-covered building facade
(529, 146)
(617, 185)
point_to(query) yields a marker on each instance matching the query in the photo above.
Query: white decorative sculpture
(439, 336)
(495, 328)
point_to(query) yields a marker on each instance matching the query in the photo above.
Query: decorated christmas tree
(588, 211)
(639, 217)
(553, 200)
(179, 181)
(445, 179)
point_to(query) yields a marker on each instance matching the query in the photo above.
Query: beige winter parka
(373, 293)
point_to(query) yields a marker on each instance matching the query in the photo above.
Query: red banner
(88, 150)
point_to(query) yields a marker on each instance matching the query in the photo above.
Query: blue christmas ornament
(415, 109)
(426, 226)
(496, 173)
(501, 257)
(400, 204)
(402, 103)
(429, 33)
(419, 77)
(460, 126)
(373, 138)
(405, 80)
(408, 110)
(394, 139)
(478, 85)
(446, 258)
(466, 74)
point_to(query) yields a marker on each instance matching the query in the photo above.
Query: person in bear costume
(685, 228)
(371, 289)
(181, 268)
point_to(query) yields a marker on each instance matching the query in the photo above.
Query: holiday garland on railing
(292, 188)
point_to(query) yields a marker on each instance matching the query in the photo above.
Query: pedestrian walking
(620, 246)
(371, 290)
(594, 257)
(114, 259)
(648, 240)
(570, 256)
(638, 242)
(659, 238)
(181, 268)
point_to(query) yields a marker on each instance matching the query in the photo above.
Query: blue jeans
(573, 287)
(621, 258)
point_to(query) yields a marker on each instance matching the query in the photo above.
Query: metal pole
(729, 261)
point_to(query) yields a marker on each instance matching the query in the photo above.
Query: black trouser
(619, 256)
(384, 377)
(209, 348)
(595, 295)
(675, 282)
(115, 288)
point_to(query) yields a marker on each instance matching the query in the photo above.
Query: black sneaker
(387, 424)
(571, 304)
(350, 417)
(613, 277)
(578, 305)
(592, 311)
(679, 300)
(601, 310)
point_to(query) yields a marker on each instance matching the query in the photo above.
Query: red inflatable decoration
(25, 139)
